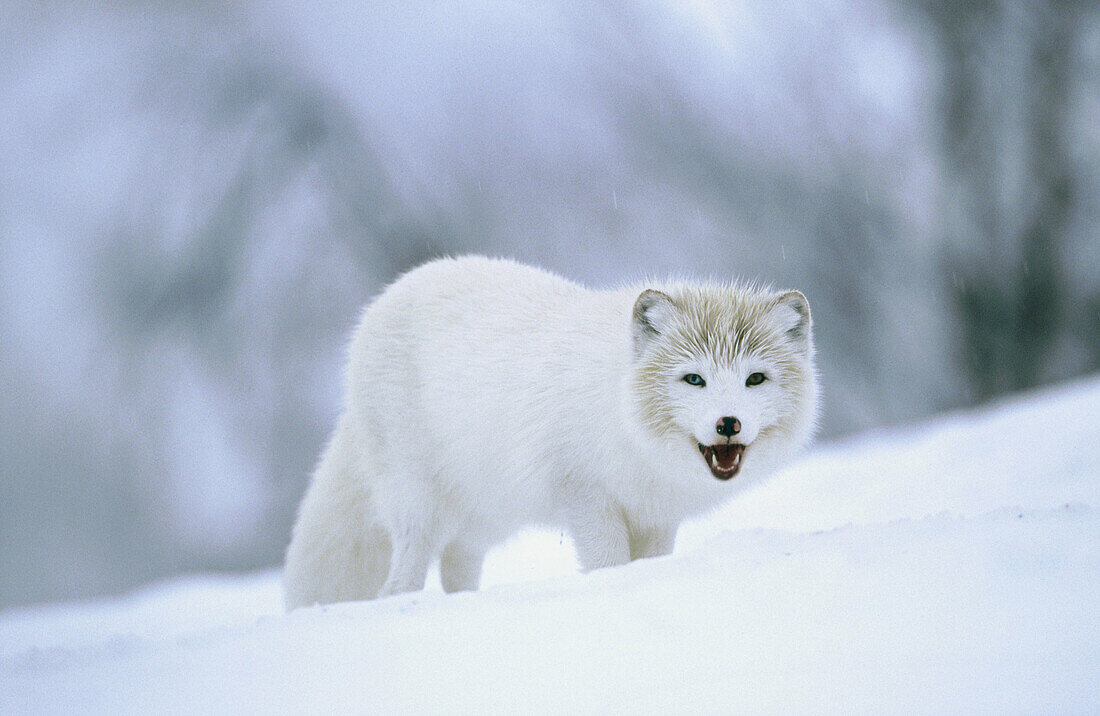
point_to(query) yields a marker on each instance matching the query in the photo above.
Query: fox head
(725, 371)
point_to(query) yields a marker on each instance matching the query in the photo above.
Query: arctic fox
(483, 395)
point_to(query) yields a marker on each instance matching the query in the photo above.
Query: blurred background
(197, 197)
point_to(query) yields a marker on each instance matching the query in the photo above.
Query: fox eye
(694, 379)
(755, 379)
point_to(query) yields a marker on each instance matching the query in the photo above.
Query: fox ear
(792, 312)
(652, 312)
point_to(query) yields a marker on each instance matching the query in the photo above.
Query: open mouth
(724, 460)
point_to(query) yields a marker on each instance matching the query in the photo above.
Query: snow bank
(951, 566)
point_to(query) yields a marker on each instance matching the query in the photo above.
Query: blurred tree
(1011, 185)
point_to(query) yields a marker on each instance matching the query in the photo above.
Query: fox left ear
(652, 312)
(792, 312)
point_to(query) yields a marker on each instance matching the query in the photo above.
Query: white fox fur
(483, 395)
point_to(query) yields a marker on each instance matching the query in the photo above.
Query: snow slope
(952, 566)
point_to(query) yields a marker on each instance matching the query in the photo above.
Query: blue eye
(755, 379)
(694, 379)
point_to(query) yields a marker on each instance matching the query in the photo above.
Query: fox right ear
(793, 313)
(652, 312)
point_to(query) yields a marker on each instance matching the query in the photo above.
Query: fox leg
(651, 542)
(460, 567)
(408, 565)
(411, 536)
(600, 535)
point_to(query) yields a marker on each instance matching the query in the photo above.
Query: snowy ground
(952, 566)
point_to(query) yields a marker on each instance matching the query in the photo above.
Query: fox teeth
(714, 460)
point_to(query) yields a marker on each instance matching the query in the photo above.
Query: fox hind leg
(409, 561)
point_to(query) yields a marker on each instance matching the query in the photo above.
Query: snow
(945, 567)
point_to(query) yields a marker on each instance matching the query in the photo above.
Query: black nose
(728, 426)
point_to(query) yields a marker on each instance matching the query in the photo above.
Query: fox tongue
(726, 455)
